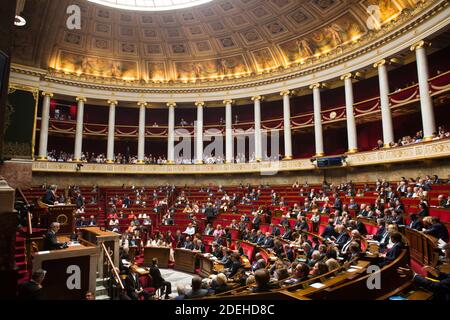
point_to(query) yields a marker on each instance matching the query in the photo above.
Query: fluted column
(111, 130)
(43, 138)
(79, 129)
(199, 132)
(426, 104)
(228, 132)
(171, 133)
(258, 141)
(386, 116)
(351, 124)
(287, 125)
(141, 137)
(318, 134)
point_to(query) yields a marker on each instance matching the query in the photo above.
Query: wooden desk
(208, 266)
(71, 272)
(185, 260)
(161, 253)
(98, 237)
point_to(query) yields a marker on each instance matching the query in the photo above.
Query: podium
(97, 237)
(185, 260)
(71, 272)
(44, 215)
(161, 253)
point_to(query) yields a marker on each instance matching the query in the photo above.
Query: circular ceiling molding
(150, 5)
(218, 43)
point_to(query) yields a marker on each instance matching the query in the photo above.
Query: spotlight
(19, 21)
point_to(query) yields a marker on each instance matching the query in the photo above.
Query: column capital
(199, 104)
(316, 86)
(142, 104)
(114, 102)
(382, 62)
(48, 94)
(228, 101)
(254, 98)
(347, 76)
(420, 44)
(286, 93)
(83, 99)
(171, 104)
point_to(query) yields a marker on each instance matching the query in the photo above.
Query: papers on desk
(441, 243)
(317, 285)
(352, 269)
(43, 252)
(357, 267)
(73, 244)
(373, 242)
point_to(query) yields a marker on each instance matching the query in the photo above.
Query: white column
(199, 132)
(79, 129)
(111, 124)
(386, 116)
(426, 104)
(171, 133)
(351, 124)
(287, 125)
(228, 132)
(43, 138)
(141, 137)
(258, 141)
(318, 134)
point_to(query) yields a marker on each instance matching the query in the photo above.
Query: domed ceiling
(218, 40)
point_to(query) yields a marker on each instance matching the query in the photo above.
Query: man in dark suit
(236, 265)
(395, 251)
(268, 241)
(209, 213)
(196, 291)
(50, 196)
(415, 222)
(32, 290)
(437, 229)
(260, 238)
(256, 222)
(133, 287)
(381, 230)
(275, 230)
(158, 281)
(50, 241)
(199, 246)
(337, 203)
(329, 230)
(342, 237)
(188, 244)
(287, 234)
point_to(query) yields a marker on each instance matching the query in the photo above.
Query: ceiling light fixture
(19, 21)
(150, 5)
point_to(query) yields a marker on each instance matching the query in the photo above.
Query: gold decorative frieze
(415, 152)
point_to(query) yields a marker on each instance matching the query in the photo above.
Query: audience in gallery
(341, 242)
(441, 133)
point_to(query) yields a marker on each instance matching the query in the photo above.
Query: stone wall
(17, 173)
(392, 172)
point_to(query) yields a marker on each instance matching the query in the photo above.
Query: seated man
(133, 287)
(329, 230)
(436, 229)
(196, 291)
(50, 241)
(262, 279)
(158, 281)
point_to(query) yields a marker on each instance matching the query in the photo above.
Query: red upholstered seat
(249, 250)
(146, 284)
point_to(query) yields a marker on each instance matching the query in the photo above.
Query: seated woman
(208, 229)
(190, 230)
